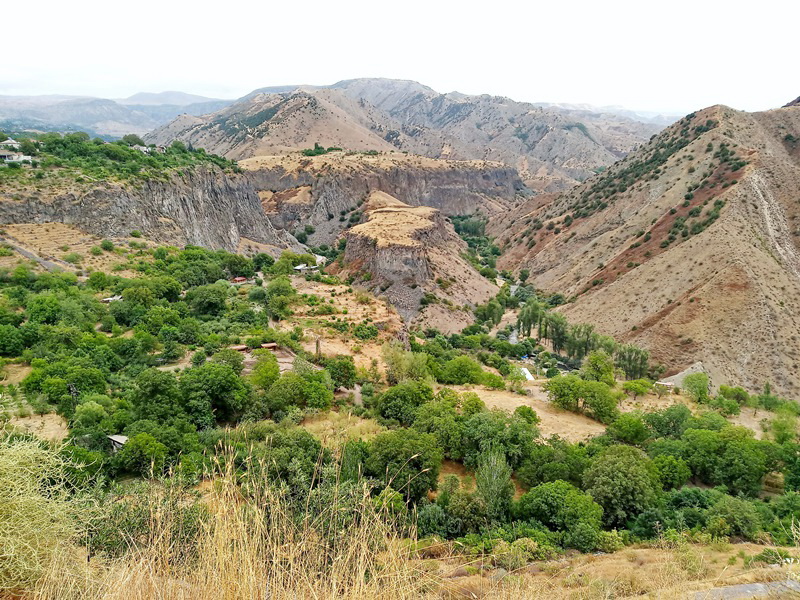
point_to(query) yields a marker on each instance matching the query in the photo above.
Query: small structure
(10, 144)
(527, 373)
(111, 299)
(669, 386)
(239, 280)
(240, 348)
(117, 442)
(304, 268)
(270, 346)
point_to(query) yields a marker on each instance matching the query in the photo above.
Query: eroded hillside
(327, 191)
(412, 255)
(552, 148)
(688, 246)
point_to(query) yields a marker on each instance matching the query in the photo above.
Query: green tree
(637, 387)
(561, 506)
(598, 366)
(629, 428)
(265, 370)
(633, 361)
(342, 370)
(213, 392)
(406, 460)
(461, 370)
(401, 402)
(624, 481)
(495, 429)
(142, 454)
(493, 483)
(207, 300)
(232, 358)
(673, 472)
(696, 385)
(441, 419)
(155, 395)
(132, 139)
(557, 459)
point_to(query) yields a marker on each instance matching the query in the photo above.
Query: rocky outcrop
(201, 206)
(339, 184)
(413, 256)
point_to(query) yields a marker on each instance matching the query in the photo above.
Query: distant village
(9, 152)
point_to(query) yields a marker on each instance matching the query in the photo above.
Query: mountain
(169, 98)
(99, 116)
(795, 102)
(689, 246)
(552, 148)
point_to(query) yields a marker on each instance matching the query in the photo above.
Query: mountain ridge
(688, 246)
(553, 149)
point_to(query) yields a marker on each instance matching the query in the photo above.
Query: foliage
(624, 481)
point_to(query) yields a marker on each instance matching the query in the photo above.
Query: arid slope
(688, 246)
(552, 148)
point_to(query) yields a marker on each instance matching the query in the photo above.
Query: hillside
(688, 246)
(325, 192)
(412, 255)
(552, 148)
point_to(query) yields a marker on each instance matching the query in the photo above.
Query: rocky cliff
(326, 191)
(412, 255)
(201, 206)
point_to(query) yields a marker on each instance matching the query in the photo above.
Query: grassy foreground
(234, 539)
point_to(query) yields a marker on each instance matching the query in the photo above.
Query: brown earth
(50, 427)
(727, 295)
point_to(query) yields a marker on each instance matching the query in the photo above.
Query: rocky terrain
(202, 206)
(327, 191)
(412, 256)
(552, 148)
(689, 246)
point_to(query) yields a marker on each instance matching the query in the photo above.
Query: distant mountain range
(552, 147)
(100, 116)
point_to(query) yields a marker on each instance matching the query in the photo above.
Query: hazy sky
(670, 56)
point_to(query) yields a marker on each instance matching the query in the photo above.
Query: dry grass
(254, 546)
(333, 429)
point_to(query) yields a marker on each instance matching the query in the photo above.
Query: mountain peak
(170, 97)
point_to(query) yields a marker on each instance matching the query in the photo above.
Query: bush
(401, 402)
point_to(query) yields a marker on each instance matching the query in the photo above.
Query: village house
(303, 268)
(10, 156)
(10, 144)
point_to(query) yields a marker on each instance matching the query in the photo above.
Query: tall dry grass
(251, 547)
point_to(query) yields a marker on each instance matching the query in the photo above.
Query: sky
(669, 57)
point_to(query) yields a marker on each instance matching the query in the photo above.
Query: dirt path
(51, 265)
